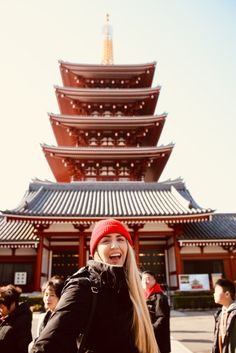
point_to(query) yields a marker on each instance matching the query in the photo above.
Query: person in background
(225, 317)
(51, 294)
(120, 322)
(159, 310)
(15, 321)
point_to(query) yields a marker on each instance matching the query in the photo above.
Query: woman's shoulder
(77, 289)
(83, 279)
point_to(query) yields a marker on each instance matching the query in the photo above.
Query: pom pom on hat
(105, 227)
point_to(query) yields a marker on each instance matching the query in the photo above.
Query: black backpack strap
(82, 338)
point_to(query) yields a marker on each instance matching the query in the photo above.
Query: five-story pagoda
(107, 163)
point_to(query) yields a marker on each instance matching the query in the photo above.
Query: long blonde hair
(144, 336)
(143, 330)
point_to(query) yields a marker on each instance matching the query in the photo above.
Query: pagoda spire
(107, 58)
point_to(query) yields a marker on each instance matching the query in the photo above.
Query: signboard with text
(194, 282)
(20, 278)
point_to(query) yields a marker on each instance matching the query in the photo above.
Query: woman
(121, 321)
(51, 294)
(15, 321)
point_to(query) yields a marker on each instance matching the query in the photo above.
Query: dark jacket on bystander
(159, 310)
(229, 341)
(15, 330)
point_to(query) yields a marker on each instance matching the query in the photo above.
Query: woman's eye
(120, 239)
(105, 241)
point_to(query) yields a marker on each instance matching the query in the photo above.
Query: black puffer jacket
(15, 330)
(159, 310)
(111, 327)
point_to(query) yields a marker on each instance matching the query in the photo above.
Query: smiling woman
(109, 242)
(120, 321)
(112, 249)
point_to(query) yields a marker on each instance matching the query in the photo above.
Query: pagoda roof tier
(81, 202)
(79, 130)
(112, 76)
(82, 163)
(79, 101)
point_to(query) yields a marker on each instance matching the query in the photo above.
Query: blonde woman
(121, 321)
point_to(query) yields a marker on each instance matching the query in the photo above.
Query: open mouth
(115, 256)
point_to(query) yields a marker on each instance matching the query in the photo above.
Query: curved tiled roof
(167, 201)
(222, 226)
(133, 200)
(17, 233)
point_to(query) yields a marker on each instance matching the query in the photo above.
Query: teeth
(115, 255)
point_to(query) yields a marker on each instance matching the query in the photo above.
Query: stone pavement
(191, 331)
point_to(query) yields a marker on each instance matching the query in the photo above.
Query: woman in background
(51, 294)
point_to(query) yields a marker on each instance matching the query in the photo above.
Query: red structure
(107, 130)
(107, 163)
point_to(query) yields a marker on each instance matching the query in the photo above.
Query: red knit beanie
(104, 227)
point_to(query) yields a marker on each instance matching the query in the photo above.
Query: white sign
(194, 282)
(20, 278)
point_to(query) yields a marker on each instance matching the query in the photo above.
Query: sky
(193, 43)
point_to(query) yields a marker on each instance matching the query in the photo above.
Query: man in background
(159, 310)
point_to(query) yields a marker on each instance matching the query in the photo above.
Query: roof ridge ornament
(107, 58)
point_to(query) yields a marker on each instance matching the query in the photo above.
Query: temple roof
(104, 152)
(97, 69)
(64, 126)
(220, 230)
(222, 226)
(72, 100)
(72, 73)
(62, 160)
(168, 202)
(17, 234)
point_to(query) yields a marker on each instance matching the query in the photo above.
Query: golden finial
(107, 43)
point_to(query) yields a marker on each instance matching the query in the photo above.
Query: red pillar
(232, 262)
(136, 247)
(179, 267)
(136, 228)
(82, 242)
(39, 229)
(81, 250)
(38, 264)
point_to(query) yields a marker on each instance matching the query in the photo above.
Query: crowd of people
(107, 306)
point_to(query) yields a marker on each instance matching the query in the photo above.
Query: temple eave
(84, 220)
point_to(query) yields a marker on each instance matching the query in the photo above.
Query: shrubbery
(193, 300)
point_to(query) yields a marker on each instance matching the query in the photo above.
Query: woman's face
(50, 299)
(112, 249)
(4, 311)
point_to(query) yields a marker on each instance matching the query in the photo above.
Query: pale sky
(193, 42)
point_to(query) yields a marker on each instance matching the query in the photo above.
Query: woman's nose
(114, 244)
